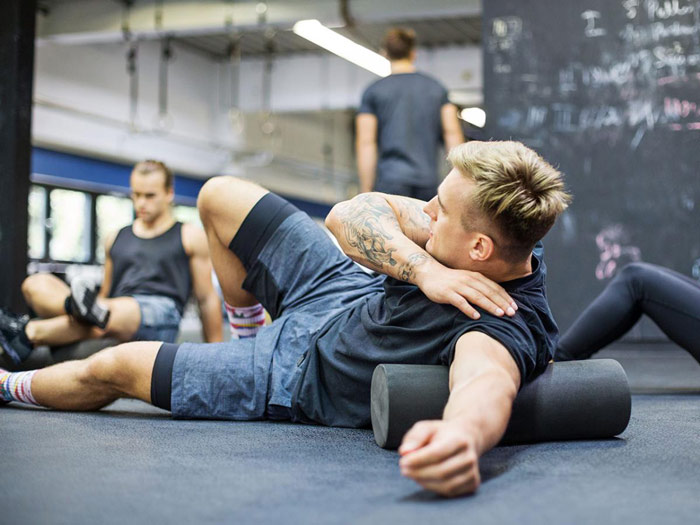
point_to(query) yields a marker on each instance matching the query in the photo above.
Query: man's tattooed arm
(413, 220)
(363, 220)
(373, 233)
(389, 233)
(407, 271)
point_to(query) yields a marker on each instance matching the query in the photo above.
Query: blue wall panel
(76, 171)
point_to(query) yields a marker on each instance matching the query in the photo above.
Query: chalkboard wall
(608, 91)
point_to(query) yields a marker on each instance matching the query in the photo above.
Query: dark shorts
(303, 280)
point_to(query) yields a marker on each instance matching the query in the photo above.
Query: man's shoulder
(373, 85)
(425, 77)
(113, 235)
(425, 83)
(194, 240)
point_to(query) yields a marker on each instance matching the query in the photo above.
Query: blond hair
(146, 167)
(517, 191)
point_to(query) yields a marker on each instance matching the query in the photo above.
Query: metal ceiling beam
(97, 21)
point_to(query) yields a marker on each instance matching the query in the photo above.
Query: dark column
(17, 25)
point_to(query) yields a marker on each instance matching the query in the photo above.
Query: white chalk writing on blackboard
(590, 17)
(614, 253)
(615, 105)
(667, 9)
(505, 32)
(630, 7)
(696, 269)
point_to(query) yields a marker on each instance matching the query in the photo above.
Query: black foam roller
(569, 400)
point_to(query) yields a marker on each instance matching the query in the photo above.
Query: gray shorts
(160, 319)
(303, 281)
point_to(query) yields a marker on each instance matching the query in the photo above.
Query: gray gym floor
(132, 463)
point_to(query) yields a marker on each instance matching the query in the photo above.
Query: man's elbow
(332, 221)
(209, 300)
(495, 378)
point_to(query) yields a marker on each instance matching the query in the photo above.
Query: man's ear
(482, 248)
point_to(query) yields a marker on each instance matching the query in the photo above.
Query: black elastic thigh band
(258, 226)
(162, 377)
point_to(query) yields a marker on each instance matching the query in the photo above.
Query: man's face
(149, 195)
(449, 241)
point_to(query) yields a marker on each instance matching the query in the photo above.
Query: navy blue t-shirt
(401, 325)
(409, 132)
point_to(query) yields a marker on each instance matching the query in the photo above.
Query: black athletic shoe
(82, 304)
(13, 339)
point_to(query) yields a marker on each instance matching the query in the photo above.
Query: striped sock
(17, 386)
(245, 321)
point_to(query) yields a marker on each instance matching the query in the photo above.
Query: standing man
(151, 266)
(402, 121)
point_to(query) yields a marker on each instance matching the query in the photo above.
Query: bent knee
(111, 366)
(210, 195)
(33, 285)
(636, 270)
(228, 196)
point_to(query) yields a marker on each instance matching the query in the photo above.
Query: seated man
(151, 266)
(333, 323)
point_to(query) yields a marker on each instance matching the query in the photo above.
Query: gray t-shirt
(409, 133)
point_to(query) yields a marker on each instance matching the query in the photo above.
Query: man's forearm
(369, 232)
(210, 315)
(453, 139)
(367, 166)
(483, 406)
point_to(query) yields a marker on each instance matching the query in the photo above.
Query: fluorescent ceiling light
(475, 116)
(320, 35)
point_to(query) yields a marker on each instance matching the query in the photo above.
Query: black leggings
(670, 299)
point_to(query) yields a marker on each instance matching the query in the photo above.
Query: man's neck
(152, 229)
(402, 66)
(500, 271)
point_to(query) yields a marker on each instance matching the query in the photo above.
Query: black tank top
(156, 266)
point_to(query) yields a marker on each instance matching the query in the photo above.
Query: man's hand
(441, 456)
(460, 287)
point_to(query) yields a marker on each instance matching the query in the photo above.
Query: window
(37, 222)
(70, 225)
(113, 213)
(187, 214)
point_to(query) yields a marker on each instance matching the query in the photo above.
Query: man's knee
(210, 195)
(227, 197)
(111, 367)
(32, 286)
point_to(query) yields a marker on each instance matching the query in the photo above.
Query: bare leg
(59, 330)
(92, 383)
(45, 294)
(224, 203)
(124, 321)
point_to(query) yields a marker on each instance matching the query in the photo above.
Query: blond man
(151, 267)
(438, 301)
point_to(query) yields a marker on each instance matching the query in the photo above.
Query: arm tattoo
(363, 229)
(407, 271)
(414, 220)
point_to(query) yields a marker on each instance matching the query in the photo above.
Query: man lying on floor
(333, 322)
